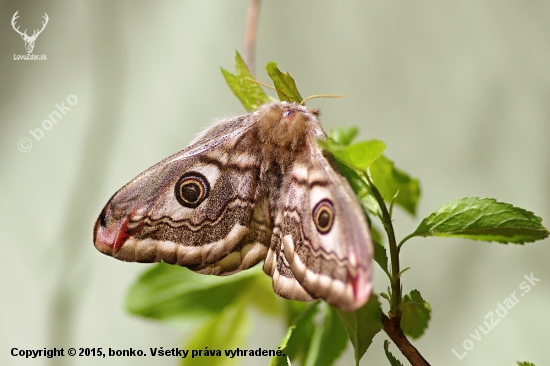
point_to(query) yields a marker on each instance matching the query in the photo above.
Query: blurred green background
(459, 91)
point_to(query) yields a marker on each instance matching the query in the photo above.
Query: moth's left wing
(200, 208)
(321, 245)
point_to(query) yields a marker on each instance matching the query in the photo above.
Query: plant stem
(392, 324)
(394, 250)
(405, 239)
(393, 330)
(250, 35)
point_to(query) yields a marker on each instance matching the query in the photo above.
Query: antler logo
(29, 41)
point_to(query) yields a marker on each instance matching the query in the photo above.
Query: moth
(251, 188)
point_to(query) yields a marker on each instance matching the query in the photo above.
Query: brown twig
(393, 330)
(250, 36)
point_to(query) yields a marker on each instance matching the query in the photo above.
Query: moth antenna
(269, 87)
(263, 84)
(321, 96)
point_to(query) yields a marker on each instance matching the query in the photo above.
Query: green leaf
(403, 271)
(343, 136)
(360, 187)
(385, 296)
(284, 83)
(362, 325)
(249, 93)
(525, 363)
(357, 182)
(389, 180)
(415, 314)
(260, 294)
(329, 340)
(370, 204)
(376, 236)
(358, 156)
(225, 331)
(298, 337)
(278, 361)
(294, 310)
(168, 292)
(380, 256)
(391, 358)
(483, 219)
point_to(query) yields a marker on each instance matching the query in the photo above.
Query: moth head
(284, 124)
(283, 129)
